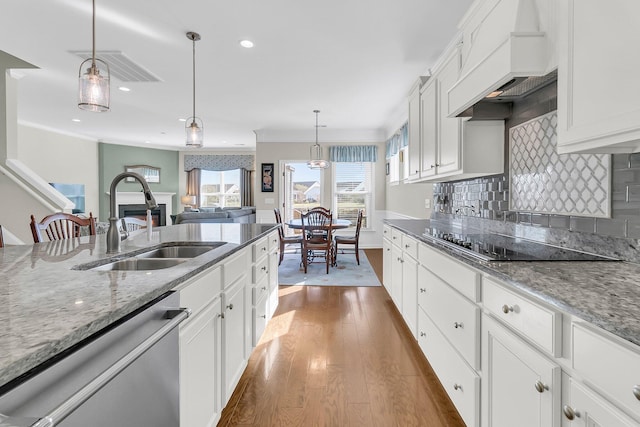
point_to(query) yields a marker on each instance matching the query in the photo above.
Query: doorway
(302, 189)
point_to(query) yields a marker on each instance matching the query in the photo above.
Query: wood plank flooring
(338, 356)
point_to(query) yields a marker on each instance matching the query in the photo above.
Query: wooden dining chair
(1, 238)
(130, 223)
(61, 225)
(314, 243)
(285, 240)
(349, 240)
(321, 209)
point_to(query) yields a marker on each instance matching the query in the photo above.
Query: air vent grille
(120, 66)
(529, 84)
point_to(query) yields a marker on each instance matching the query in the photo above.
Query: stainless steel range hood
(503, 47)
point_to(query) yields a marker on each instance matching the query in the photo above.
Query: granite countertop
(50, 306)
(603, 293)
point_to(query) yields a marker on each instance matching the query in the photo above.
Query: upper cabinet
(413, 152)
(598, 89)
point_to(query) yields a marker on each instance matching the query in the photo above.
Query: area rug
(346, 273)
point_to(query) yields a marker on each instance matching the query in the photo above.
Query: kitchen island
(53, 300)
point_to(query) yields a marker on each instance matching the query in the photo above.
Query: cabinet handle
(507, 308)
(432, 166)
(221, 315)
(264, 316)
(264, 249)
(422, 334)
(394, 237)
(570, 413)
(457, 325)
(264, 268)
(264, 288)
(388, 249)
(457, 387)
(422, 290)
(636, 391)
(407, 246)
(541, 387)
(230, 306)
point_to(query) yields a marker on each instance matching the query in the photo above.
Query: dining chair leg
(357, 255)
(328, 258)
(304, 260)
(281, 253)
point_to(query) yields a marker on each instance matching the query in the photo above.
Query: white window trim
(372, 198)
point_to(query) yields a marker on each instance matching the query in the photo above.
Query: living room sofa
(244, 214)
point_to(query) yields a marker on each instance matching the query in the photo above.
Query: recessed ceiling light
(76, 120)
(246, 43)
(147, 142)
(239, 144)
(182, 120)
(124, 89)
(225, 142)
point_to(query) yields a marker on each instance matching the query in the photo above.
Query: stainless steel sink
(178, 251)
(138, 264)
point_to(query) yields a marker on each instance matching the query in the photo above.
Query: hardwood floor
(338, 356)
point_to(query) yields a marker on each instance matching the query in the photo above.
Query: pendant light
(317, 162)
(93, 85)
(193, 126)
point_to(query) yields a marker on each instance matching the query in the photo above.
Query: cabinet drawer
(462, 278)
(461, 383)
(396, 237)
(259, 290)
(202, 290)
(386, 232)
(457, 318)
(234, 267)
(260, 249)
(260, 269)
(274, 241)
(612, 367)
(410, 246)
(534, 321)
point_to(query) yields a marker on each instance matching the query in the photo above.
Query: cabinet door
(200, 402)
(235, 330)
(429, 129)
(414, 135)
(449, 129)
(396, 280)
(520, 386)
(410, 293)
(387, 264)
(591, 116)
(585, 408)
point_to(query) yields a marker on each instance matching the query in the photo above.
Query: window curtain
(246, 189)
(353, 153)
(398, 141)
(193, 184)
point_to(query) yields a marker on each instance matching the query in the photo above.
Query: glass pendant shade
(194, 132)
(93, 86)
(317, 162)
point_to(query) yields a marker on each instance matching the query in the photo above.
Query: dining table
(336, 223)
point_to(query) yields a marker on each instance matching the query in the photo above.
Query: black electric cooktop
(498, 247)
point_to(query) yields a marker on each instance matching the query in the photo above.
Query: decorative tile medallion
(544, 181)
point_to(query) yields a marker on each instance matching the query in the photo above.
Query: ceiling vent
(120, 66)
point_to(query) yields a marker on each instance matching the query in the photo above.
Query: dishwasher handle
(71, 404)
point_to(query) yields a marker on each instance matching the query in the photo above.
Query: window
(353, 190)
(220, 188)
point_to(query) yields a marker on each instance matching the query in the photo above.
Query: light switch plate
(427, 203)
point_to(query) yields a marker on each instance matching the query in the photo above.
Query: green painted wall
(113, 158)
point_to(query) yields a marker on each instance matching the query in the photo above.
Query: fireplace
(158, 215)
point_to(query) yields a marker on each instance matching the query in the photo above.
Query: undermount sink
(141, 264)
(178, 251)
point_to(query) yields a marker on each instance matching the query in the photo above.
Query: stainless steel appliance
(127, 375)
(498, 247)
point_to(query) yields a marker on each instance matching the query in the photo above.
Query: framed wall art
(149, 173)
(267, 177)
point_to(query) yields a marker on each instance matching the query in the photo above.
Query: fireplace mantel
(137, 197)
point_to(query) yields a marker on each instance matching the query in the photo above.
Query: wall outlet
(268, 201)
(427, 203)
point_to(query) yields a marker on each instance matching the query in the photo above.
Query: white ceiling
(354, 60)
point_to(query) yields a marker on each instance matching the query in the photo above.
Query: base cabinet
(235, 348)
(520, 386)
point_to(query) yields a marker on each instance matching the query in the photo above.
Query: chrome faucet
(113, 234)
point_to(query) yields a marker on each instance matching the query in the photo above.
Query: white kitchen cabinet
(200, 400)
(410, 285)
(449, 129)
(583, 407)
(519, 386)
(598, 89)
(429, 129)
(414, 146)
(387, 262)
(396, 280)
(274, 259)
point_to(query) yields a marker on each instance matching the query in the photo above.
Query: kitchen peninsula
(51, 304)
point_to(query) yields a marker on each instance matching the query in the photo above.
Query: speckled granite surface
(48, 306)
(606, 294)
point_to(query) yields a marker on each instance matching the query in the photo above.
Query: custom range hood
(506, 55)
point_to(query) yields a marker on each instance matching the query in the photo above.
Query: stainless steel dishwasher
(125, 376)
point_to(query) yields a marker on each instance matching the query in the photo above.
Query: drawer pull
(636, 391)
(457, 325)
(264, 288)
(570, 413)
(230, 306)
(264, 316)
(423, 290)
(263, 249)
(407, 246)
(541, 387)
(457, 387)
(264, 268)
(422, 334)
(507, 308)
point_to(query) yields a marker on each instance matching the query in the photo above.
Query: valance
(353, 153)
(398, 141)
(218, 162)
